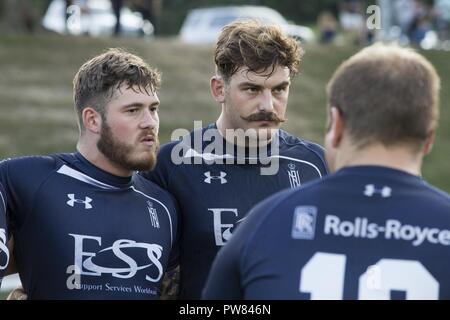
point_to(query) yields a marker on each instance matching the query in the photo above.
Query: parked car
(202, 26)
(95, 18)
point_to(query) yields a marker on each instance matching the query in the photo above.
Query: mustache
(264, 116)
(146, 133)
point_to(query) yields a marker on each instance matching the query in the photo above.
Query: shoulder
(32, 165)
(140, 181)
(24, 176)
(437, 195)
(302, 150)
(148, 188)
(289, 140)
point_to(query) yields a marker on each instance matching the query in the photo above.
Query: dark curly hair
(258, 47)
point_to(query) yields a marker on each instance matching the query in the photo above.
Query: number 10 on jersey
(323, 278)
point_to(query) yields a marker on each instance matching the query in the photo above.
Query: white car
(202, 26)
(95, 18)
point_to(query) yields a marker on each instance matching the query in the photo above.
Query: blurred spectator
(327, 25)
(421, 24)
(350, 15)
(421, 27)
(351, 19)
(117, 6)
(441, 11)
(149, 9)
(19, 15)
(404, 15)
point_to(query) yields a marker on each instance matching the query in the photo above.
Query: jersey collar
(98, 174)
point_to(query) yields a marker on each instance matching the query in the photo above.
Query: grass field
(36, 109)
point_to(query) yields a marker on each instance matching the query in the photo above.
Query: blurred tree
(21, 15)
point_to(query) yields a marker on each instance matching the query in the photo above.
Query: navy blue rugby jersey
(4, 253)
(214, 198)
(366, 232)
(82, 233)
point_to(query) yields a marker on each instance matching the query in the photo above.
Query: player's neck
(98, 159)
(399, 157)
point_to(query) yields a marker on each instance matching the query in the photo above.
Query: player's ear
(336, 126)
(429, 143)
(92, 120)
(217, 85)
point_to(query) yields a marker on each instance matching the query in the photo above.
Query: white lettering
(374, 21)
(372, 229)
(392, 229)
(74, 280)
(196, 310)
(222, 236)
(407, 233)
(186, 150)
(154, 253)
(79, 253)
(444, 237)
(4, 249)
(346, 229)
(331, 225)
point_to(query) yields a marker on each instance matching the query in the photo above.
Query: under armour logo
(370, 190)
(87, 201)
(209, 177)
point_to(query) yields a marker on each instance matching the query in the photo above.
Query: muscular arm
(171, 284)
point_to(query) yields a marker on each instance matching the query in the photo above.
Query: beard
(123, 154)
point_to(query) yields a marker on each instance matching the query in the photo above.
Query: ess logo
(4, 252)
(123, 252)
(225, 220)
